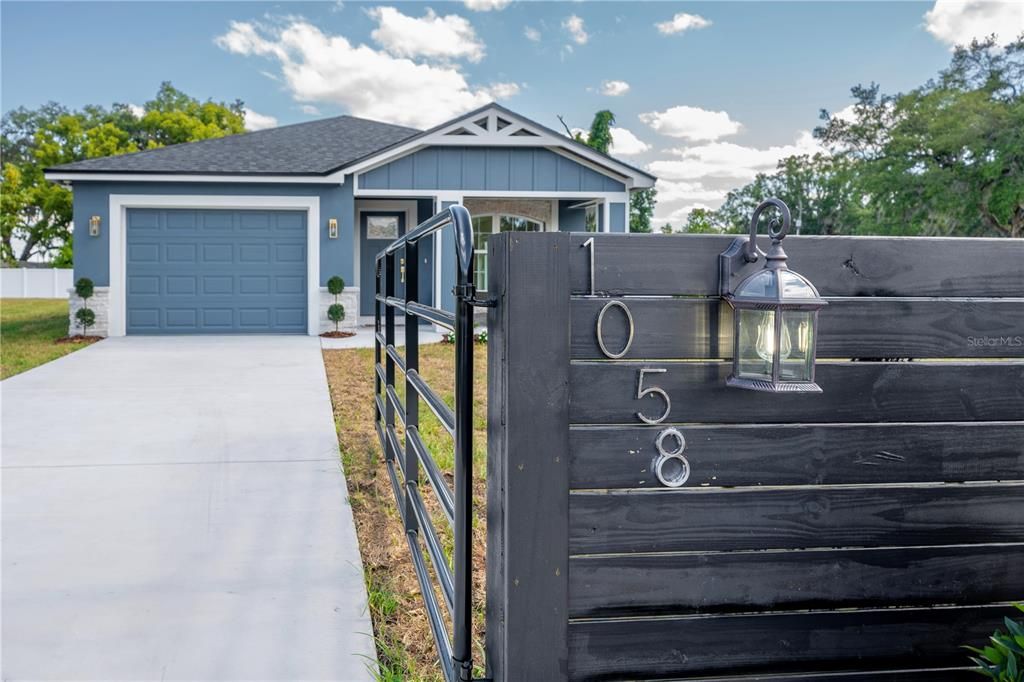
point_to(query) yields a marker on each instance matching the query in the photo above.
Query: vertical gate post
(528, 457)
(412, 363)
(389, 340)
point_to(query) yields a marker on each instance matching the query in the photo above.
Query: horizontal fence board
(848, 328)
(916, 675)
(802, 454)
(700, 519)
(649, 584)
(605, 393)
(838, 266)
(786, 642)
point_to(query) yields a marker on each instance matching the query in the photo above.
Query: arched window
(486, 225)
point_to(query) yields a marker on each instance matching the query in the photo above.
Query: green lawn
(29, 328)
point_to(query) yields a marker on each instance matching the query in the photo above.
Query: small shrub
(85, 318)
(482, 337)
(84, 288)
(449, 337)
(336, 313)
(335, 285)
(1003, 659)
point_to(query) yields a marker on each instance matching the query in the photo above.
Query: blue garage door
(216, 272)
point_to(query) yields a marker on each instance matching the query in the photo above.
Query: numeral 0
(600, 329)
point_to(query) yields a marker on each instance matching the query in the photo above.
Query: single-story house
(240, 234)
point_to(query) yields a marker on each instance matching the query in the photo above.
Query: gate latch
(467, 293)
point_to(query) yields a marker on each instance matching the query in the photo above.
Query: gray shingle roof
(313, 148)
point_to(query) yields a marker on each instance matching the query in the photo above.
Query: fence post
(527, 452)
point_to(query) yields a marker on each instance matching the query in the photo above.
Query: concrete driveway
(174, 509)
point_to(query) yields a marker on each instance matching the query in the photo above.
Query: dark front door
(377, 229)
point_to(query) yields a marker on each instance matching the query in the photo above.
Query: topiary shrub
(336, 313)
(335, 285)
(1003, 659)
(85, 317)
(84, 288)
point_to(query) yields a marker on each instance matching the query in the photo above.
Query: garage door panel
(181, 220)
(180, 253)
(216, 271)
(218, 253)
(143, 285)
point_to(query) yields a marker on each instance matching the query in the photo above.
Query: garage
(215, 271)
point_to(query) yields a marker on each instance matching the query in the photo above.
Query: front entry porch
(379, 220)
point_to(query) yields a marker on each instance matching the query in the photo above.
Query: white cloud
(726, 160)
(682, 22)
(625, 143)
(614, 88)
(310, 110)
(531, 34)
(502, 90)
(486, 5)
(321, 68)
(957, 22)
(691, 123)
(136, 110)
(577, 31)
(257, 121)
(674, 191)
(430, 36)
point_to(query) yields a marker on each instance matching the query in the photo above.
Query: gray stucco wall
(92, 254)
(488, 168)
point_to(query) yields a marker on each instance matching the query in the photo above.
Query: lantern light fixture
(332, 228)
(775, 312)
(94, 226)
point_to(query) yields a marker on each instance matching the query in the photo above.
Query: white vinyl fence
(35, 282)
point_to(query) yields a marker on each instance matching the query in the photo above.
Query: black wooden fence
(864, 533)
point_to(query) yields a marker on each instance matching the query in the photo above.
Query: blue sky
(705, 94)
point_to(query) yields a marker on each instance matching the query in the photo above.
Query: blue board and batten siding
(497, 169)
(92, 254)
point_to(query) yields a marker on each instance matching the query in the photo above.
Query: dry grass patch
(405, 646)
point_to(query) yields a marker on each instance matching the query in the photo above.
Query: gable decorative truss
(495, 126)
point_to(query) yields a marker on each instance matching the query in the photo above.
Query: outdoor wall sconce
(775, 313)
(94, 226)
(332, 228)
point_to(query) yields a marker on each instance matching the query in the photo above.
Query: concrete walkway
(174, 509)
(364, 339)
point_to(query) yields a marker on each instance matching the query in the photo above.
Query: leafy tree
(701, 221)
(946, 158)
(641, 202)
(667, 228)
(641, 209)
(36, 220)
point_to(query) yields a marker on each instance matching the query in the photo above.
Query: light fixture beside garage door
(332, 228)
(94, 226)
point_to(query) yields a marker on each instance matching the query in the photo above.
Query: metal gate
(454, 653)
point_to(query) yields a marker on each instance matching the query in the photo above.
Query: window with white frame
(486, 225)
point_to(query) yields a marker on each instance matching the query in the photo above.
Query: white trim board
(120, 203)
(71, 176)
